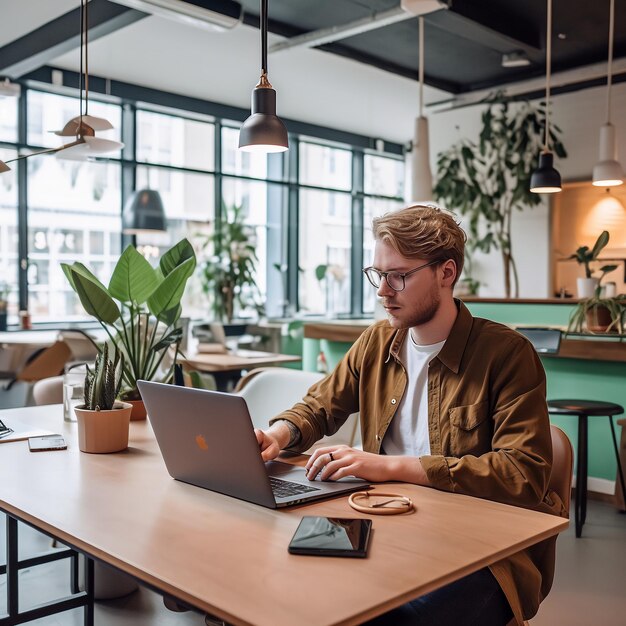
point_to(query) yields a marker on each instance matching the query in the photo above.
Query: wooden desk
(227, 367)
(228, 557)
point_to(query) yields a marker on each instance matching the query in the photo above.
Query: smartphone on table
(331, 536)
(49, 442)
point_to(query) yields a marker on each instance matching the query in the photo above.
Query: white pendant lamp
(546, 179)
(608, 171)
(420, 180)
(84, 127)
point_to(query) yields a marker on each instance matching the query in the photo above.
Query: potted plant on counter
(588, 285)
(103, 422)
(599, 315)
(144, 325)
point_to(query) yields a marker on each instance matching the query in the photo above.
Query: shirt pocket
(470, 429)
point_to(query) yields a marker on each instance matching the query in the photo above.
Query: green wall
(566, 378)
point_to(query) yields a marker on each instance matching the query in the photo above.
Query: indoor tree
(486, 180)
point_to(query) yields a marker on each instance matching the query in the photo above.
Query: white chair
(270, 390)
(48, 391)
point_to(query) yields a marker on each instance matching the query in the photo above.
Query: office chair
(561, 476)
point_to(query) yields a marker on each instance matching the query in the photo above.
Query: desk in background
(227, 367)
(228, 557)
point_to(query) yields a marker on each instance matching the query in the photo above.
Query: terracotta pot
(100, 432)
(598, 319)
(139, 410)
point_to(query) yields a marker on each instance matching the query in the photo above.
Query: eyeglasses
(396, 280)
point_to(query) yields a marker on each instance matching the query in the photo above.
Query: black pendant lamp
(546, 179)
(263, 131)
(144, 213)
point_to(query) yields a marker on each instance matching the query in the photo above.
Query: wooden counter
(588, 348)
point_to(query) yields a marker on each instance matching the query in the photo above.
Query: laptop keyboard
(285, 488)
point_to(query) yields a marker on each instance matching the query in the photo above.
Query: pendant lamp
(420, 188)
(546, 179)
(144, 213)
(608, 171)
(84, 127)
(263, 131)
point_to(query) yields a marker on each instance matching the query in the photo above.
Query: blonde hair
(424, 232)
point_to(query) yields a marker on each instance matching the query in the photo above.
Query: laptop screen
(544, 340)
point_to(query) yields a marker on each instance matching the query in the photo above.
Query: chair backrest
(49, 362)
(48, 390)
(270, 390)
(562, 466)
(80, 343)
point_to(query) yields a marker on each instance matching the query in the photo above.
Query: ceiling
(464, 42)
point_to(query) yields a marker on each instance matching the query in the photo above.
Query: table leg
(585, 459)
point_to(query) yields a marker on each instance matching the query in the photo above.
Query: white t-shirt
(408, 432)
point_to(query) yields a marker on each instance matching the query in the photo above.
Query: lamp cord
(80, 75)
(421, 63)
(263, 37)
(86, 31)
(548, 67)
(609, 74)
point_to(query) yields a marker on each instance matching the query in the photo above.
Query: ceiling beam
(61, 35)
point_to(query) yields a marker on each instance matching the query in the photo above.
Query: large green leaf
(81, 269)
(602, 240)
(170, 317)
(168, 294)
(176, 256)
(133, 278)
(95, 298)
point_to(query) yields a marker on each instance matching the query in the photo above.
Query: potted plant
(228, 274)
(599, 315)
(588, 285)
(103, 422)
(4, 304)
(144, 325)
(488, 180)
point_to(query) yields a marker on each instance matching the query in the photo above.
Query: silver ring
(330, 454)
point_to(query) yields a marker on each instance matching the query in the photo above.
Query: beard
(421, 314)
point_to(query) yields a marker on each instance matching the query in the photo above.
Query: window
(176, 141)
(8, 235)
(73, 205)
(8, 119)
(324, 242)
(235, 161)
(373, 207)
(324, 166)
(384, 176)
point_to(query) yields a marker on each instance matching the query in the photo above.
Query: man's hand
(273, 440)
(335, 462)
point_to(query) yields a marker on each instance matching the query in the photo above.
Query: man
(446, 400)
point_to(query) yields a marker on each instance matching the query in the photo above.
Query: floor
(588, 587)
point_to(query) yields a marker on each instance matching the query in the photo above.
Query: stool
(584, 409)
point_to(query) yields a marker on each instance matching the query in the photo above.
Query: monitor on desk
(544, 340)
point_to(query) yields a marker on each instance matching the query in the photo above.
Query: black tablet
(331, 536)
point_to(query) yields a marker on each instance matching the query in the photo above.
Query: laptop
(207, 439)
(544, 340)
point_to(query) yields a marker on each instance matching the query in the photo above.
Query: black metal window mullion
(356, 258)
(292, 160)
(22, 204)
(219, 180)
(129, 162)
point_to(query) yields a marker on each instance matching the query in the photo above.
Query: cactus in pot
(102, 384)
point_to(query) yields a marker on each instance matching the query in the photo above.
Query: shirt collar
(452, 351)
